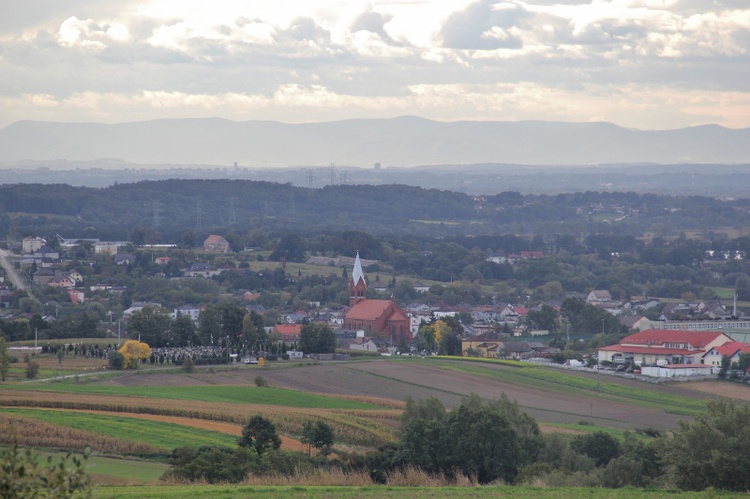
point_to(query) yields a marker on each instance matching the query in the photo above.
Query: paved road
(10, 270)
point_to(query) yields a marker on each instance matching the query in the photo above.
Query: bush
(32, 369)
(260, 381)
(188, 365)
(22, 475)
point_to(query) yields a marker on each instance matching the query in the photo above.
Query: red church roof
(368, 309)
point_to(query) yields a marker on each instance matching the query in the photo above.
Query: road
(10, 271)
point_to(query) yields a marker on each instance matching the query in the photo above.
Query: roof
(732, 347)
(288, 328)
(683, 366)
(357, 273)
(213, 238)
(368, 309)
(660, 336)
(648, 350)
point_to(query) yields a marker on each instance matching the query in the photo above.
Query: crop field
(149, 413)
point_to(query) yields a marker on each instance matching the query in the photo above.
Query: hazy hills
(403, 141)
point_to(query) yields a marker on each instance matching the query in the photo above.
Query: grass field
(111, 470)
(260, 492)
(222, 394)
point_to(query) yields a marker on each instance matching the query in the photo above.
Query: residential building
(216, 244)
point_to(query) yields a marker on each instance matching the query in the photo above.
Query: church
(380, 318)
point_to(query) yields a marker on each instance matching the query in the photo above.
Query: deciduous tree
(260, 435)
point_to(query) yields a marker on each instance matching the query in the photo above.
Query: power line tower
(156, 218)
(232, 211)
(199, 213)
(291, 200)
(344, 177)
(332, 172)
(310, 177)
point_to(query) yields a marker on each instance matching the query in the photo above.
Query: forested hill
(166, 210)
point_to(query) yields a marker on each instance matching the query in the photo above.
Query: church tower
(357, 286)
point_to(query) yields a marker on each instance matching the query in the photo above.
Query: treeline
(168, 210)
(482, 442)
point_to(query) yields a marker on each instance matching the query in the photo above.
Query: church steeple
(357, 285)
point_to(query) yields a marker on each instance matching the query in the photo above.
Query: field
(198, 491)
(149, 413)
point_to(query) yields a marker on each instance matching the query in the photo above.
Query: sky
(646, 64)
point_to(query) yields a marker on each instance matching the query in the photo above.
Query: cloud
(444, 59)
(89, 34)
(485, 25)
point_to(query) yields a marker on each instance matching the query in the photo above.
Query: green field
(108, 468)
(221, 393)
(223, 491)
(166, 436)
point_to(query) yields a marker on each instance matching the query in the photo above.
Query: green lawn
(158, 434)
(221, 393)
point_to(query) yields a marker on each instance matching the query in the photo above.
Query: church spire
(357, 284)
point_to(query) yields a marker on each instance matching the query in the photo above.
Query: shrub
(260, 381)
(188, 365)
(32, 369)
(22, 475)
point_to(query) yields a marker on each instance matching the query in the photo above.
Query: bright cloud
(639, 63)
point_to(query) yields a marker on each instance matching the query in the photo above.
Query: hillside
(402, 141)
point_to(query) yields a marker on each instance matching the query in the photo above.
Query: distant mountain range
(402, 141)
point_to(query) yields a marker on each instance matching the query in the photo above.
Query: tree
(5, 359)
(450, 343)
(601, 447)
(184, 332)
(486, 441)
(546, 318)
(22, 475)
(116, 360)
(260, 435)
(713, 450)
(318, 435)
(151, 325)
(133, 352)
(317, 338)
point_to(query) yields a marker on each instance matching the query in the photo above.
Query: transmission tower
(332, 172)
(291, 201)
(232, 211)
(310, 177)
(156, 218)
(199, 214)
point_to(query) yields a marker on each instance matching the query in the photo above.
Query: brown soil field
(418, 379)
(717, 388)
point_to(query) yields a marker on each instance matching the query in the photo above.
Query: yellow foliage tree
(440, 328)
(134, 351)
